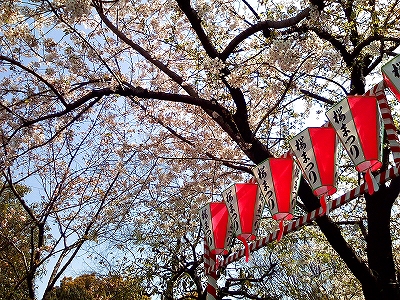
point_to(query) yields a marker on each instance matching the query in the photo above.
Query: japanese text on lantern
(296, 185)
(205, 217)
(301, 146)
(258, 216)
(349, 139)
(267, 191)
(232, 211)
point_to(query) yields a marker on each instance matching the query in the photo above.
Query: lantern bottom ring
(327, 190)
(247, 236)
(219, 251)
(373, 165)
(283, 216)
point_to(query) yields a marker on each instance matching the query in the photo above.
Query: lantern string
(246, 247)
(322, 202)
(372, 185)
(280, 233)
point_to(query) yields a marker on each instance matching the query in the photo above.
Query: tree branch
(241, 114)
(264, 25)
(195, 21)
(334, 236)
(48, 84)
(336, 43)
(317, 97)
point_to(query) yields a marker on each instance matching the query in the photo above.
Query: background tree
(90, 286)
(15, 240)
(116, 107)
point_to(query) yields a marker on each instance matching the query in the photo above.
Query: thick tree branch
(350, 16)
(241, 114)
(334, 236)
(379, 242)
(264, 25)
(364, 43)
(317, 97)
(196, 21)
(335, 42)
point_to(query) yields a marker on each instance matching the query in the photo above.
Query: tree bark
(379, 243)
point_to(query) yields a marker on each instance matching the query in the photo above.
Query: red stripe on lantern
(324, 144)
(246, 194)
(390, 80)
(282, 170)
(219, 214)
(365, 115)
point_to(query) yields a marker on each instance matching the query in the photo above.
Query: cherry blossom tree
(113, 108)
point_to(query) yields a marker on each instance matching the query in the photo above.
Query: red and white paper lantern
(358, 123)
(391, 76)
(315, 151)
(245, 209)
(214, 219)
(279, 180)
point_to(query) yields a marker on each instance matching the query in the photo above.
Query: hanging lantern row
(356, 121)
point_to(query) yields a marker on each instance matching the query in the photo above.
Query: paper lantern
(214, 219)
(279, 180)
(358, 123)
(245, 210)
(315, 151)
(391, 76)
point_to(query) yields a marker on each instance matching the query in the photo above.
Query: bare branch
(48, 84)
(317, 97)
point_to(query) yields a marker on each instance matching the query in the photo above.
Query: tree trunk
(379, 243)
(334, 236)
